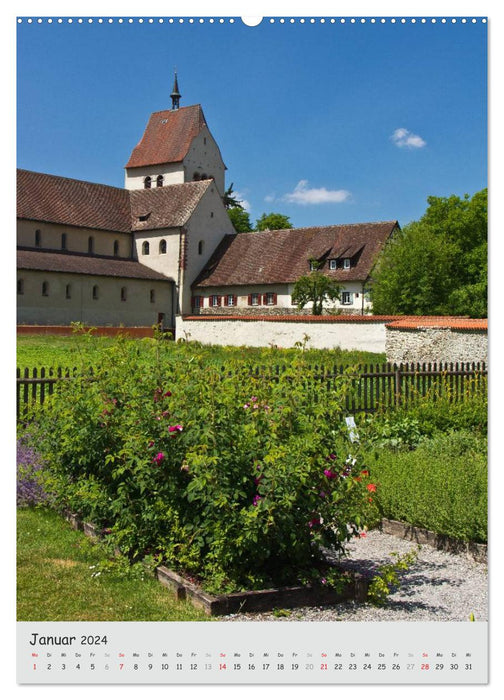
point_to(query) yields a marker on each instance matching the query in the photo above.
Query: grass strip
(57, 578)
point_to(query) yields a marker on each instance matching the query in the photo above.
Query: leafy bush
(235, 479)
(441, 485)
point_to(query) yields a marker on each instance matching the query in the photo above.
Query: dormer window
(314, 265)
(147, 182)
(333, 264)
(159, 181)
(346, 263)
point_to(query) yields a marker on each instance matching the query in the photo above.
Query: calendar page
(252, 349)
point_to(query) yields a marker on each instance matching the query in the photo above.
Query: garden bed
(420, 535)
(354, 587)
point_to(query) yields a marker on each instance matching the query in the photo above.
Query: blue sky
(327, 123)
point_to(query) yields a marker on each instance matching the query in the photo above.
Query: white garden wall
(358, 334)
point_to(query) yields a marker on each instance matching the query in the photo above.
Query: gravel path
(438, 586)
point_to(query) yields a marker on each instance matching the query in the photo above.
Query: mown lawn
(84, 351)
(55, 581)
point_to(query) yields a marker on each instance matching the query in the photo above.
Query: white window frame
(346, 298)
(346, 263)
(270, 299)
(214, 300)
(255, 299)
(333, 264)
(230, 300)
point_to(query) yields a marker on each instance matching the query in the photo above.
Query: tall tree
(437, 265)
(273, 222)
(316, 288)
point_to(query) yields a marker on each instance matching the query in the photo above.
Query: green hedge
(441, 485)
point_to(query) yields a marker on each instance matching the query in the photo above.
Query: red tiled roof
(268, 257)
(452, 322)
(166, 207)
(85, 265)
(168, 136)
(62, 200)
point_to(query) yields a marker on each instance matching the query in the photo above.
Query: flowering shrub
(235, 479)
(29, 487)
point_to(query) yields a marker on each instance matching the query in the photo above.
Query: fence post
(397, 385)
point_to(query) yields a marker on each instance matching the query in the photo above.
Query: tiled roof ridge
(71, 179)
(322, 226)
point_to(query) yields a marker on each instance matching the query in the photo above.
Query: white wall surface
(363, 335)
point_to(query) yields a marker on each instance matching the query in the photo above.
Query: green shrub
(235, 479)
(441, 485)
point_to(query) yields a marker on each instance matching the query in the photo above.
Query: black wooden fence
(371, 387)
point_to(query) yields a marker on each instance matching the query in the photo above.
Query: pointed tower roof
(175, 95)
(168, 136)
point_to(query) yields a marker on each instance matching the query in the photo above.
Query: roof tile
(168, 136)
(268, 257)
(85, 265)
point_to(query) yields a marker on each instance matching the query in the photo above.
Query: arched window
(159, 181)
(90, 244)
(152, 296)
(63, 241)
(20, 286)
(123, 293)
(201, 246)
(45, 289)
(116, 249)
(68, 291)
(162, 246)
(147, 182)
(95, 291)
(38, 238)
(145, 248)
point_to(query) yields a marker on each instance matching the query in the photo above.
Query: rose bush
(236, 478)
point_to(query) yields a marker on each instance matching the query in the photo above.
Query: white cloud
(405, 139)
(244, 202)
(269, 198)
(315, 195)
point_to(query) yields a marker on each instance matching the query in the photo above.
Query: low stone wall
(366, 333)
(436, 344)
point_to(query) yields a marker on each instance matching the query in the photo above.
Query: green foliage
(236, 479)
(388, 580)
(441, 485)
(82, 351)
(240, 219)
(437, 265)
(230, 201)
(315, 288)
(272, 222)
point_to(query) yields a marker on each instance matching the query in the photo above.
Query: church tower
(176, 147)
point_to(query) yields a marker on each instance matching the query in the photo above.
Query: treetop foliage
(437, 265)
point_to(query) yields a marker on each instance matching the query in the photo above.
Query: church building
(164, 246)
